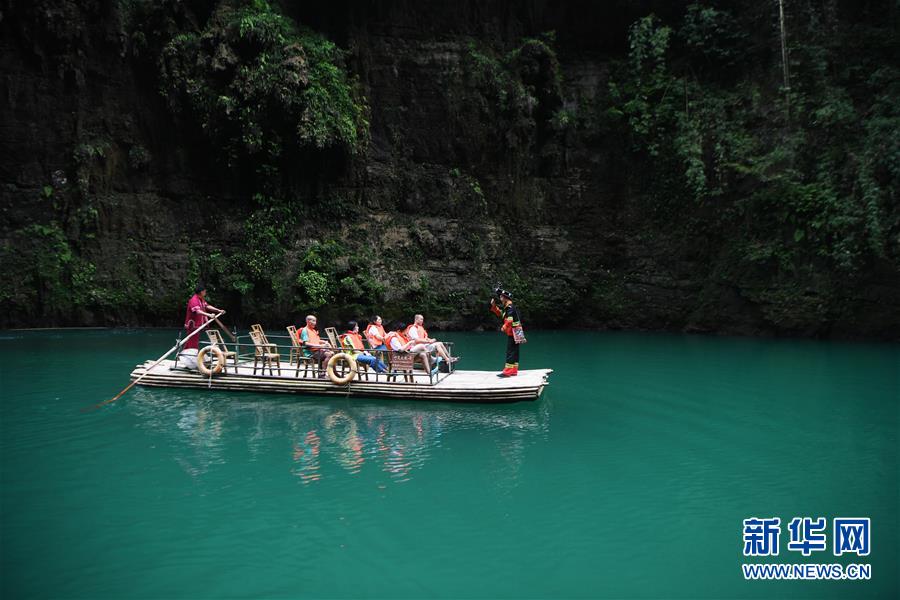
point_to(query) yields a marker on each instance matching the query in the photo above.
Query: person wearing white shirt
(417, 332)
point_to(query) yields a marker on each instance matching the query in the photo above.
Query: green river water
(630, 478)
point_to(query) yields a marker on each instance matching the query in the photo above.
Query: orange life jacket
(355, 340)
(421, 330)
(373, 341)
(391, 335)
(312, 336)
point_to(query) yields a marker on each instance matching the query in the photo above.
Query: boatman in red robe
(512, 327)
(198, 312)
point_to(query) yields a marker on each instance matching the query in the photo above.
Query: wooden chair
(257, 328)
(264, 351)
(331, 334)
(215, 339)
(297, 355)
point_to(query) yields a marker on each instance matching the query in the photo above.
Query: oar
(161, 358)
(225, 329)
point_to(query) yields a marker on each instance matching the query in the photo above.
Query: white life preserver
(351, 373)
(201, 362)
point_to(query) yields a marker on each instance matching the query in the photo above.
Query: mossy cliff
(637, 165)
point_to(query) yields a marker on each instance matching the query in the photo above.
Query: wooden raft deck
(459, 386)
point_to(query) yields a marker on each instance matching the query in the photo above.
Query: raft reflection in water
(326, 441)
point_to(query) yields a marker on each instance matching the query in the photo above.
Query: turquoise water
(630, 478)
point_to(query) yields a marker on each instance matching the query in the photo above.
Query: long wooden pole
(225, 329)
(161, 358)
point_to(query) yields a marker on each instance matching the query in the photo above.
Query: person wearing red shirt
(199, 311)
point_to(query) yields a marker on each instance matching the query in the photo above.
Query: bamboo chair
(264, 352)
(262, 334)
(331, 334)
(298, 356)
(272, 347)
(215, 339)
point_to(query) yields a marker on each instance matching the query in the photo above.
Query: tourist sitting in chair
(398, 342)
(417, 332)
(313, 346)
(375, 334)
(353, 345)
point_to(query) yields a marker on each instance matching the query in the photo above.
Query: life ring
(201, 362)
(351, 373)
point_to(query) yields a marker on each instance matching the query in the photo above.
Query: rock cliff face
(113, 205)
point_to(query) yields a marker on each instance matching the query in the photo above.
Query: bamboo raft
(458, 386)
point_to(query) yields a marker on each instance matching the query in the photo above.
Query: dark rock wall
(449, 196)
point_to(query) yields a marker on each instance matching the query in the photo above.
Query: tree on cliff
(260, 86)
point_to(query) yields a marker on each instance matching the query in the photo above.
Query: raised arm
(494, 308)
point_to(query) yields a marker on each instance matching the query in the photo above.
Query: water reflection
(306, 455)
(326, 438)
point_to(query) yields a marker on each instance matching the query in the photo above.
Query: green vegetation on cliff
(259, 86)
(812, 172)
(797, 186)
